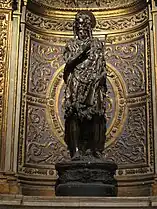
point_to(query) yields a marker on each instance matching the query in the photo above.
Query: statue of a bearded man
(85, 79)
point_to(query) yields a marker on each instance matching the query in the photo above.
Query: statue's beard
(83, 34)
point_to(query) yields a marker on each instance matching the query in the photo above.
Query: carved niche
(129, 97)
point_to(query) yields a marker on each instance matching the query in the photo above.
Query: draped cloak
(85, 84)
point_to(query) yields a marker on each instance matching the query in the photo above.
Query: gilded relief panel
(36, 135)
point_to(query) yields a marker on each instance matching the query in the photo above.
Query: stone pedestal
(9, 183)
(86, 178)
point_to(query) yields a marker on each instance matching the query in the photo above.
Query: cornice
(87, 4)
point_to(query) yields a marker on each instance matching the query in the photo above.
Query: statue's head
(83, 24)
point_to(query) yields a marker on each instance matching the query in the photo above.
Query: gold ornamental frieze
(109, 25)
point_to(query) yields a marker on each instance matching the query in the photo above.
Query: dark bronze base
(86, 178)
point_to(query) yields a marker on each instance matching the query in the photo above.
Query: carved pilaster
(5, 32)
(10, 22)
(153, 31)
(8, 183)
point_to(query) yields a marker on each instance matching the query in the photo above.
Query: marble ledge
(33, 202)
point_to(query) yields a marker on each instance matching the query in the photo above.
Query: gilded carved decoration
(40, 72)
(128, 59)
(60, 24)
(4, 36)
(3, 56)
(6, 4)
(122, 23)
(42, 147)
(105, 4)
(130, 148)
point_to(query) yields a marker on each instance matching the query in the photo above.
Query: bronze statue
(88, 173)
(85, 79)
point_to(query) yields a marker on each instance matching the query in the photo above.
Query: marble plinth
(25, 202)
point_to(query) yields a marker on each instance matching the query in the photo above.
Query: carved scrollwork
(128, 59)
(41, 146)
(44, 61)
(86, 176)
(123, 23)
(130, 147)
(3, 61)
(48, 24)
(61, 24)
(6, 4)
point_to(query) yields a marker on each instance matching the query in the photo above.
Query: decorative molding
(50, 25)
(81, 4)
(128, 59)
(123, 23)
(3, 56)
